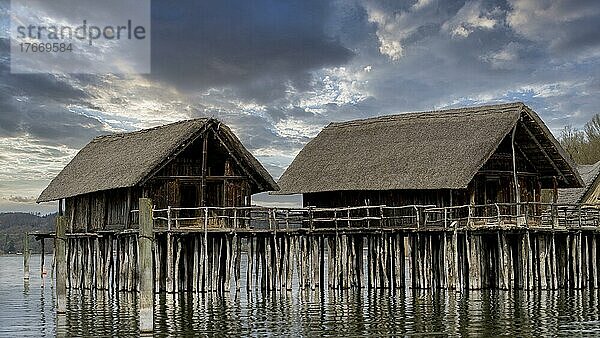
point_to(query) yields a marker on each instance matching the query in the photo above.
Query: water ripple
(29, 310)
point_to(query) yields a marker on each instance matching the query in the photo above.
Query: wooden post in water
(61, 264)
(26, 256)
(42, 259)
(145, 267)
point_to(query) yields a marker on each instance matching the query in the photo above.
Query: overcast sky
(278, 71)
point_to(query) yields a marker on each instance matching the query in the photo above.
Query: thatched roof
(589, 173)
(429, 150)
(125, 160)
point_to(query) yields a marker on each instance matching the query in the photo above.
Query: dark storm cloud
(579, 35)
(37, 105)
(566, 27)
(257, 46)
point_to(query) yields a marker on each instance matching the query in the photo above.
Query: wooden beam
(145, 266)
(61, 264)
(554, 190)
(199, 178)
(177, 151)
(204, 163)
(73, 210)
(514, 163)
(524, 156)
(26, 255)
(506, 173)
(535, 140)
(105, 210)
(236, 160)
(88, 221)
(128, 208)
(225, 193)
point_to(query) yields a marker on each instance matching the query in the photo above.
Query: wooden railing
(418, 217)
(526, 214)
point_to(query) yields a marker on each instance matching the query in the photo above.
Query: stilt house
(184, 164)
(478, 155)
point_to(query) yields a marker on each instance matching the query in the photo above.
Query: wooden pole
(249, 269)
(61, 264)
(177, 278)
(195, 242)
(290, 261)
(145, 267)
(228, 262)
(42, 258)
(237, 262)
(97, 264)
(26, 256)
(206, 284)
(515, 178)
(169, 262)
(204, 162)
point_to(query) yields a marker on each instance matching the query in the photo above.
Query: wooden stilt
(228, 262)
(169, 262)
(177, 267)
(26, 256)
(542, 261)
(238, 259)
(232, 262)
(157, 261)
(290, 258)
(594, 262)
(43, 259)
(61, 264)
(330, 262)
(146, 236)
(250, 261)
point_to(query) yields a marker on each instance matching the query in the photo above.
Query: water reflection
(487, 313)
(307, 313)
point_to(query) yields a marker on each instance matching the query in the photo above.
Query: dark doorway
(189, 199)
(492, 189)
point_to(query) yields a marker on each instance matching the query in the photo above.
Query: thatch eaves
(589, 173)
(128, 159)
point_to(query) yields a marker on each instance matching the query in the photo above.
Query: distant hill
(13, 226)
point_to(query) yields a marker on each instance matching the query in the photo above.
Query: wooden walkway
(206, 249)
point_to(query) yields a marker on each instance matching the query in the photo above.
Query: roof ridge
(464, 111)
(145, 130)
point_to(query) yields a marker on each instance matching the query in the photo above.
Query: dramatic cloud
(471, 17)
(257, 47)
(566, 26)
(278, 72)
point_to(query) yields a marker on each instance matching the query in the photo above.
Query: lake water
(28, 309)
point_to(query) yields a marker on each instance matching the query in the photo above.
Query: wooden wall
(102, 209)
(387, 197)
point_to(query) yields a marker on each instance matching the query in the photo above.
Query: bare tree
(583, 145)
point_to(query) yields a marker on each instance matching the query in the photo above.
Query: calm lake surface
(27, 310)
